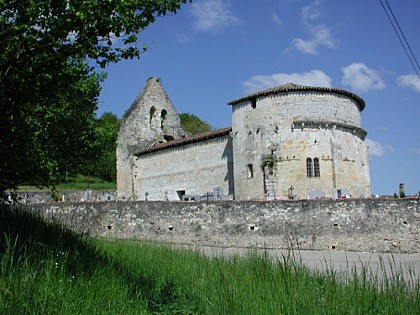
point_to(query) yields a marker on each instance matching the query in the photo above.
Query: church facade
(287, 142)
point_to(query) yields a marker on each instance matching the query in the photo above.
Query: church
(287, 142)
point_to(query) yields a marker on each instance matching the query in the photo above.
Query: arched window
(162, 117)
(151, 114)
(312, 168)
(309, 167)
(249, 171)
(317, 172)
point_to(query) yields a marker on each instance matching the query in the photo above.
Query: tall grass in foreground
(256, 285)
(45, 269)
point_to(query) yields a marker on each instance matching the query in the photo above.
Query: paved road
(343, 263)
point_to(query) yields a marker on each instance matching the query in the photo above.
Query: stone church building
(286, 142)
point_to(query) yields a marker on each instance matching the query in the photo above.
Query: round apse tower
(298, 142)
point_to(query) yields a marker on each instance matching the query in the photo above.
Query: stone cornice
(290, 87)
(302, 124)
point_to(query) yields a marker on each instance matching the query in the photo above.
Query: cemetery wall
(377, 225)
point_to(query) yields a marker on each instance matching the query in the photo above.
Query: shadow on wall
(376, 225)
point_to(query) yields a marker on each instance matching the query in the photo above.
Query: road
(343, 263)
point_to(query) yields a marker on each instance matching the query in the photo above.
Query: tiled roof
(290, 87)
(183, 141)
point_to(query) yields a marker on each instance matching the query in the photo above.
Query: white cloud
(321, 37)
(312, 78)
(312, 12)
(376, 149)
(362, 78)
(182, 38)
(320, 33)
(410, 80)
(416, 151)
(212, 15)
(276, 19)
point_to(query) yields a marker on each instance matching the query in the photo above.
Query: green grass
(45, 269)
(78, 182)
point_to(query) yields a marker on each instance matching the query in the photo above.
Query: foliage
(191, 123)
(46, 269)
(83, 182)
(106, 31)
(76, 182)
(48, 90)
(268, 163)
(105, 145)
(46, 133)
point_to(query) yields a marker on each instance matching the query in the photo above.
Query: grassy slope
(79, 182)
(45, 269)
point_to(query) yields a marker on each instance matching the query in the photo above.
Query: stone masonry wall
(267, 128)
(47, 196)
(194, 168)
(379, 225)
(150, 118)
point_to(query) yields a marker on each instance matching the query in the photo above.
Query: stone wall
(379, 225)
(150, 119)
(48, 196)
(193, 170)
(289, 128)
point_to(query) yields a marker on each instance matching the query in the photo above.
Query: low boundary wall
(378, 225)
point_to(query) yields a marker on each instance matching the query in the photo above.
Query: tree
(48, 88)
(106, 133)
(45, 134)
(191, 123)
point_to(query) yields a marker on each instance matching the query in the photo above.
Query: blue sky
(214, 51)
